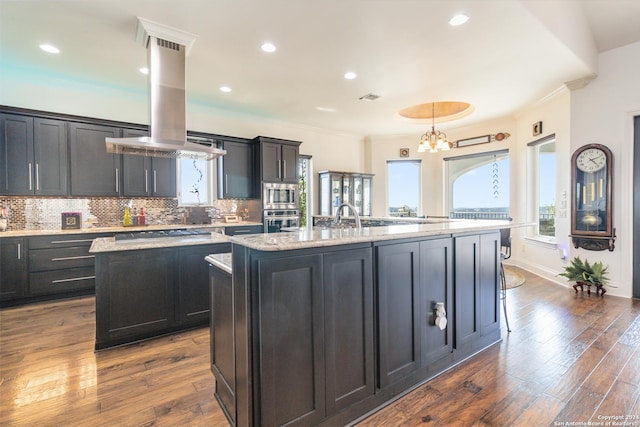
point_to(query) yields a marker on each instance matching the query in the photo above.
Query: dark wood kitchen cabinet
(349, 327)
(236, 176)
(477, 313)
(278, 159)
(13, 270)
(33, 155)
(412, 278)
(315, 320)
(398, 310)
(193, 283)
(144, 176)
(94, 172)
(61, 265)
(149, 292)
(135, 294)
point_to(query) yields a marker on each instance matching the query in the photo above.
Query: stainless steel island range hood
(166, 51)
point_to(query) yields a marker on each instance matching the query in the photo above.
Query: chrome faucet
(338, 216)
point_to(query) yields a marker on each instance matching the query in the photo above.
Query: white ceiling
(510, 53)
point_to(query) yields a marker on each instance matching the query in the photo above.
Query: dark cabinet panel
(489, 282)
(290, 163)
(13, 271)
(348, 293)
(33, 153)
(222, 329)
(50, 154)
(147, 176)
(134, 294)
(467, 310)
(236, 177)
(243, 229)
(271, 162)
(193, 282)
(291, 345)
(477, 311)
(94, 172)
(278, 160)
(398, 310)
(436, 279)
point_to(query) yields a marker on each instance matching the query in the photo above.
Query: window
(305, 188)
(479, 185)
(543, 158)
(195, 182)
(403, 191)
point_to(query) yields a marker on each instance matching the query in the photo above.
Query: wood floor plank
(570, 357)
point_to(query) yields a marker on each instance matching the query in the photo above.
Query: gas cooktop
(154, 234)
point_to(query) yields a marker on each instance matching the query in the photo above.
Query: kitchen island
(326, 325)
(151, 286)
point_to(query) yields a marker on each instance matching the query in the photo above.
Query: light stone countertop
(123, 229)
(221, 261)
(318, 236)
(109, 244)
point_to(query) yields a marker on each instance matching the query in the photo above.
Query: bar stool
(505, 253)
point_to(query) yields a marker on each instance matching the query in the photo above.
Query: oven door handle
(281, 218)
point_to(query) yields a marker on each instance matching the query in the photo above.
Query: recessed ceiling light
(268, 47)
(458, 20)
(326, 109)
(144, 70)
(225, 89)
(350, 75)
(49, 48)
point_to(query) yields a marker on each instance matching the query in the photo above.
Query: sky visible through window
(476, 189)
(404, 184)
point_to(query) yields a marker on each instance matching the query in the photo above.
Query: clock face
(591, 160)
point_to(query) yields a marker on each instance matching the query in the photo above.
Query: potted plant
(585, 274)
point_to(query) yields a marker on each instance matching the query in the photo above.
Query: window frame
(418, 162)
(209, 175)
(533, 193)
(448, 195)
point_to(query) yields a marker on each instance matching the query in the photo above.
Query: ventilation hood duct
(166, 51)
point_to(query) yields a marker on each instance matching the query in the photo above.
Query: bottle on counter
(126, 220)
(141, 218)
(134, 217)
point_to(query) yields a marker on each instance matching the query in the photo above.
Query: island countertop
(311, 237)
(109, 244)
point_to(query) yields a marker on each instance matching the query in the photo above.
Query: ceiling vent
(369, 97)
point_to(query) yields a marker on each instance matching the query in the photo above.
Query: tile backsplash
(33, 213)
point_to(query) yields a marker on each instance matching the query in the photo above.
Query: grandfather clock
(591, 194)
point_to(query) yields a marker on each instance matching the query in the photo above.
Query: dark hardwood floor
(570, 358)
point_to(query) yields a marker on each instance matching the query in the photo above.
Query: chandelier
(434, 140)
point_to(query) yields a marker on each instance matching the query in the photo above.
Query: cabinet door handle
(75, 279)
(117, 182)
(146, 181)
(71, 241)
(155, 181)
(37, 177)
(30, 179)
(19, 251)
(284, 169)
(226, 184)
(67, 258)
(279, 168)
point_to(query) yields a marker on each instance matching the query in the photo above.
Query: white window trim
(533, 197)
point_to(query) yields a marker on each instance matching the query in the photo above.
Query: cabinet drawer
(53, 282)
(244, 229)
(60, 241)
(57, 259)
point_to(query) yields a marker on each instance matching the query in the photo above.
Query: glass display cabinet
(345, 187)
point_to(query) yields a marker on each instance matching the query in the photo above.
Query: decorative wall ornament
(484, 139)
